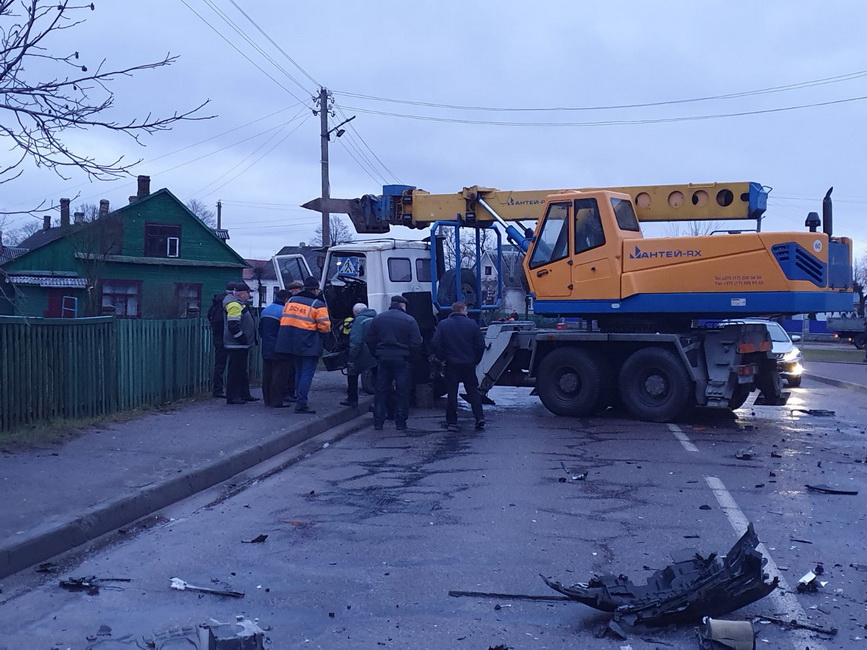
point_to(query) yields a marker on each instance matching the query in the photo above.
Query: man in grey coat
(239, 333)
(359, 356)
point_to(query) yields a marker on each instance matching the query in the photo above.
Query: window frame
(123, 283)
(619, 213)
(158, 244)
(422, 269)
(194, 285)
(566, 226)
(589, 227)
(389, 267)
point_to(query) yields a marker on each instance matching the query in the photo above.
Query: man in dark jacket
(275, 366)
(359, 356)
(239, 334)
(459, 342)
(303, 322)
(393, 336)
(217, 318)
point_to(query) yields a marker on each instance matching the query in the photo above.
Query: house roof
(10, 253)
(42, 237)
(49, 281)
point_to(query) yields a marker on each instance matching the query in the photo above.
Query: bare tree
(89, 210)
(203, 212)
(859, 281)
(340, 232)
(690, 228)
(92, 244)
(17, 235)
(45, 94)
(466, 251)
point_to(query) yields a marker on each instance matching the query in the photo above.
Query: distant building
(152, 258)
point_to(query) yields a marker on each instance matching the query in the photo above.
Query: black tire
(793, 382)
(569, 382)
(739, 397)
(654, 385)
(447, 292)
(860, 340)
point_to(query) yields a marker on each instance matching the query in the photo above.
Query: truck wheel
(793, 382)
(654, 385)
(447, 292)
(569, 382)
(860, 340)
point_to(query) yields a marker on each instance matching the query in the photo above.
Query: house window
(123, 295)
(188, 296)
(162, 240)
(489, 270)
(399, 269)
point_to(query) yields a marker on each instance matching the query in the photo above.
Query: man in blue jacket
(459, 342)
(275, 366)
(392, 338)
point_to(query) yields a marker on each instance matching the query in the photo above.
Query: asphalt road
(367, 536)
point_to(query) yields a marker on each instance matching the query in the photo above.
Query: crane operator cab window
(588, 225)
(552, 243)
(625, 214)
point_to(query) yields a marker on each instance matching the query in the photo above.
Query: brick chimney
(77, 217)
(64, 213)
(46, 222)
(144, 186)
(103, 208)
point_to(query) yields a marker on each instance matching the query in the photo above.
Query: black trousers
(393, 381)
(352, 388)
(464, 373)
(220, 358)
(237, 383)
(275, 376)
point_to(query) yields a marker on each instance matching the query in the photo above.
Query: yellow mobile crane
(587, 257)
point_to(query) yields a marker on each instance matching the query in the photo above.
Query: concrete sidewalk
(57, 498)
(852, 376)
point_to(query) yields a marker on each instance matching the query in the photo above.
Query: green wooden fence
(86, 367)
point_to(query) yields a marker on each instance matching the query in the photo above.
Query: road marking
(784, 601)
(680, 435)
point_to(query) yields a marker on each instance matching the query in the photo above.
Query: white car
(783, 346)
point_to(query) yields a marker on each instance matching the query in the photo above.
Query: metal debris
(744, 454)
(793, 624)
(816, 412)
(736, 635)
(809, 582)
(685, 591)
(255, 540)
(180, 585)
(91, 584)
(243, 634)
(488, 594)
(825, 489)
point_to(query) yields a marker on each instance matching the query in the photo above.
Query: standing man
(393, 336)
(238, 335)
(274, 366)
(305, 319)
(459, 342)
(360, 358)
(217, 320)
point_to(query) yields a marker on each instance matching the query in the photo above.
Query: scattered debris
(687, 590)
(611, 629)
(816, 412)
(499, 646)
(91, 584)
(809, 581)
(572, 475)
(704, 507)
(776, 454)
(180, 585)
(800, 541)
(744, 454)
(859, 567)
(793, 625)
(825, 489)
(47, 567)
(255, 540)
(487, 594)
(737, 635)
(243, 634)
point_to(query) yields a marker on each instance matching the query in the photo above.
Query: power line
(373, 153)
(747, 93)
(256, 65)
(661, 120)
(271, 40)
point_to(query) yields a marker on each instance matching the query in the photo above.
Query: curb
(837, 382)
(115, 514)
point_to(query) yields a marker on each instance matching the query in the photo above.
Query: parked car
(783, 346)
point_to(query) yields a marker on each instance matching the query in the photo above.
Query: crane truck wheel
(793, 382)
(860, 340)
(447, 292)
(654, 385)
(569, 382)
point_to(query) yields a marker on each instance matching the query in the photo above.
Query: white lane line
(680, 435)
(784, 601)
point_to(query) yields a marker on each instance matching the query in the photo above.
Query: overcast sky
(260, 154)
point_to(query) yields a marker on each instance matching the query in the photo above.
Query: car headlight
(792, 355)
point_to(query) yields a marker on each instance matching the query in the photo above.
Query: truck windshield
(553, 242)
(345, 266)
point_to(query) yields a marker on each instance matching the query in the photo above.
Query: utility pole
(326, 185)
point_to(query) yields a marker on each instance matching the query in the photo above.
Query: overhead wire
(352, 128)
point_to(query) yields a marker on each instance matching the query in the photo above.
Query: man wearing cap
(239, 334)
(305, 319)
(217, 320)
(392, 337)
